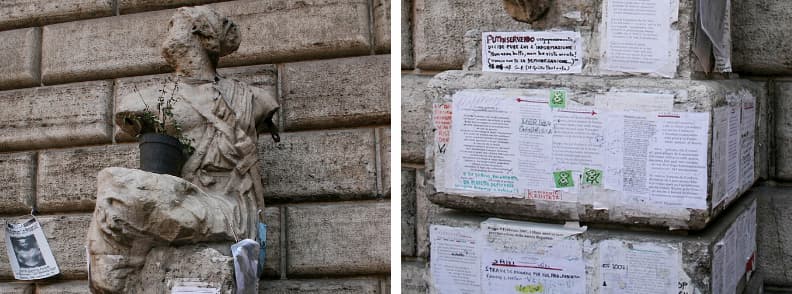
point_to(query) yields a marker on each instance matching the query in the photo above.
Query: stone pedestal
(597, 204)
(702, 261)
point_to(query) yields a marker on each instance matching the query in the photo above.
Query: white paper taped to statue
(220, 190)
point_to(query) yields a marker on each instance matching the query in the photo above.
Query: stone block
(320, 286)
(16, 288)
(272, 217)
(66, 237)
(408, 212)
(166, 267)
(286, 30)
(604, 204)
(385, 160)
(68, 287)
(21, 50)
(440, 25)
(382, 24)
(759, 43)
(17, 171)
(24, 13)
(425, 210)
(260, 76)
(336, 93)
(55, 116)
(135, 6)
(725, 251)
(345, 238)
(406, 35)
(415, 117)
(774, 214)
(67, 177)
(312, 165)
(129, 45)
(783, 130)
(415, 277)
(385, 285)
(441, 39)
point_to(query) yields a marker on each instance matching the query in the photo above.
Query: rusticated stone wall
(65, 64)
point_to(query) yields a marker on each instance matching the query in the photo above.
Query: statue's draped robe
(225, 161)
(221, 118)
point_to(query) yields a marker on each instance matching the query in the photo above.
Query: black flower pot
(161, 154)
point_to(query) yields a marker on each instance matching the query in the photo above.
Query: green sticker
(563, 179)
(592, 177)
(557, 98)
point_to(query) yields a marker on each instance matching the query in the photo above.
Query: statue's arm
(265, 105)
(130, 107)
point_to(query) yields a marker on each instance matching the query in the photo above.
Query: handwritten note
(532, 52)
(522, 257)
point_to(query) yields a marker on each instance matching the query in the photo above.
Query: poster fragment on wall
(541, 144)
(548, 52)
(28, 251)
(638, 37)
(636, 267)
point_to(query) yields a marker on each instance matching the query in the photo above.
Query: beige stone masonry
(313, 165)
(323, 286)
(19, 51)
(63, 115)
(16, 182)
(382, 23)
(67, 177)
(128, 45)
(338, 238)
(336, 92)
(22, 13)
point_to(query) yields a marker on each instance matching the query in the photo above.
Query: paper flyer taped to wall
(541, 144)
(29, 253)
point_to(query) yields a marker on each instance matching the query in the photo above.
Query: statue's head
(217, 34)
(527, 10)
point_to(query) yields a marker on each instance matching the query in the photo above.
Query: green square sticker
(592, 176)
(563, 179)
(558, 98)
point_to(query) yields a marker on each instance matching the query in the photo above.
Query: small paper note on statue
(29, 253)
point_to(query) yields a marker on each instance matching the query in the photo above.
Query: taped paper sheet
(631, 101)
(747, 134)
(524, 145)
(715, 24)
(454, 260)
(28, 251)
(637, 268)
(638, 36)
(657, 158)
(559, 52)
(539, 144)
(734, 254)
(520, 257)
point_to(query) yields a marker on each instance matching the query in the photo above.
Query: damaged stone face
(527, 10)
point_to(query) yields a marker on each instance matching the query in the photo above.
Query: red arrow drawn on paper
(527, 266)
(668, 115)
(593, 113)
(529, 101)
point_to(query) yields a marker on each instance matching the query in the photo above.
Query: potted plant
(163, 147)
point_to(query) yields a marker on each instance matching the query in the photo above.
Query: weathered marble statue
(145, 222)
(527, 10)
